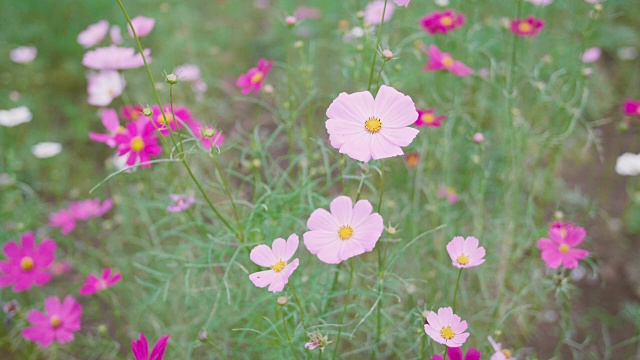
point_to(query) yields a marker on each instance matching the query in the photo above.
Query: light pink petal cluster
(560, 247)
(446, 328)
(404, 3)
(444, 61)
(428, 118)
(114, 58)
(442, 21)
(449, 193)
(27, 263)
(66, 219)
(374, 10)
(23, 54)
(140, 348)
(499, 354)
(93, 34)
(180, 203)
(591, 55)
(252, 80)
(104, 86)
(93, 284)
(364, 128)
(530, 26)
(345, 232)
(142, 25)
(277, 259)
(465, 253)
(58, 323)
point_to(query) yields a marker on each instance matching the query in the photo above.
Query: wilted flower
(317, 340)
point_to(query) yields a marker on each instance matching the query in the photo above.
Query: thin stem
(380, 73)
(222, 355)
(334, 283)
(226, 185)
(455, 293)
(295, 295)
(381, 185)
(380, 273)
(286, 332)
(174, 119)
(375, 50)
(344, 311)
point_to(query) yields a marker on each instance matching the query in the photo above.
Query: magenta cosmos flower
(140, 348)
(93, 34)
(465, 253)
(114, 58)
(27, 263)
(93, 284)
(64, 220)
(58, 323)
(631, 107)
(180, 203)
(455, 353)
(446, 328)
(364, 128)
(441, 21)
(252, 79)
(109, 118)
(374, 10)
(527, 27)
(277, 258)
(345, 232)
(444, 61)
(142, 25)
(167, 123)
(428, 118)
(559, 248)
(138, 141)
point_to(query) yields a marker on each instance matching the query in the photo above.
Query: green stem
(380, 73)
(226, 185)
(286, 332)
(381, 186)
(334, 283)
(344, 311)
(222, 355)
(455, 293)
(295, 295)
(375, 50)
(380, 273)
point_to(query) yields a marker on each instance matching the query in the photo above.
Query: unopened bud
(478, 137)
(268, 88)
(203, 335)
(291, 21)
(102, 329)
(387, 54)
(208, 132)
(597, 7)
(147, 111)
(392, 230)
(282, 300)
(256, 163)
(172, 79)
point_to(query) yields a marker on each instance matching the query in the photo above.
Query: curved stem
(375, 50)
(344, 311)
(455, 293)
(286, 332)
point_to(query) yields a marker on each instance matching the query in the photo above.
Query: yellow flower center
(447, 333)
(166, 119)
(373, 125)
(564, 248)
(137, 144)
(427, 118)
(446, 21)
(463, 260)
(55, 321)
(257, 77)
(447, 61)
(26, 263)
(277, 267)
(345, 232)
(506, 353)
(525, 27)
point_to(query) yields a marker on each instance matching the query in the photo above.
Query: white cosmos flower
(46, 149)
(628, 164)
(104, 86)
(16, 116)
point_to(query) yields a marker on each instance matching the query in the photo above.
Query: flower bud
(282, 300)
(147, 111)
(291, 21)
(172, 79)
(203, 335)
(387, 54)
(478, 137)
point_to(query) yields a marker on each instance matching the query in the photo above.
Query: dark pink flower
(455, 353)
(131, 112)
(632, 107)
(428, 118)
(89, 209)
(114, 58)
(110, 121)
(27, 263)
(527, 27)
(58, 323)
(252, 79)
(167, 124)
(64, 220)
(560, 247)
(94, 284)
(139, 142)
(140, 348)
(442, 21)
(444, 61)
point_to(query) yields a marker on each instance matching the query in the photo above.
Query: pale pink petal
(262, 278)
(342, 209)
(292, 246)
(380, 148)
(361, 212)
(356, 107)
(263, 256)
(470, 244)
(433, 320)
(358, 147)
(393, 108)
(279, 247)
(321, 219)
(445, 315)
(399, 137)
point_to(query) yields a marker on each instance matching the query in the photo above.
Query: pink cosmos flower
(23, 54)
(160, 121)
(110, 121)
(448, 193)
(478, 137)
(455, 353)
(180, 203)
(364, 128)
(277, 258)
(591, 55)
(429, 119)
(345, 232)
(540, 2)
(104, 86)
(527, 27)
(58, 323)
(252, 79)
(64, 220)
(465, 253)
(500, 354)
(404, 3)
(139, 142)
(90, 208)
(93, 34)
(632, 107)
(93, 284)
(444, 61)
(140, 348)
(207, 135)
(446, 328)
(115, 35)
(142, 25)
(114, 58)
(27, 263)
(559, 248)
(374, 10)
(131, 112)
(442, 21)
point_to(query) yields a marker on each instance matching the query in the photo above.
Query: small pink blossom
(114, 58)
(142, 25)
(139, 142)
(428, 118)
(374, 10)
(94, 284)
(527, 27)
(446, 328)
(64, 220)
(591, 55)
(465, 253)
(90, 208)
(58, 323)
(345, 232)
(140, 348)
(110, 121)
(104, 86)
(631, 107)
(455, 353)
(500, 354)
(27, 263)
(23, 54)
(444, 61)
(180, 203)
(305, 12)
(93, 34)
(207, 135)
(442, 21)
(252, 79)
(478, 137)
(448, 193)
(560, 247)
(277, 258)
(540, 2)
